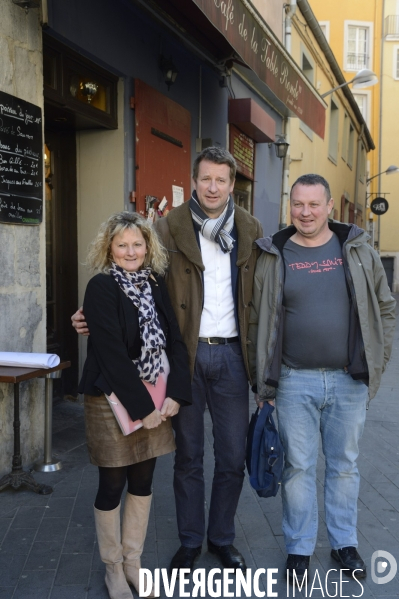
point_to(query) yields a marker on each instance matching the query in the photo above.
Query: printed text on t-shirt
(314, 267)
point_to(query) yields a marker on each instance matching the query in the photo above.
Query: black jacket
(114, 342)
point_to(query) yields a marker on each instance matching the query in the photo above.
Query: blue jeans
(221, 382)
(332, 403)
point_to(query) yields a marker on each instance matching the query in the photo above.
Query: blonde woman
(134, 337)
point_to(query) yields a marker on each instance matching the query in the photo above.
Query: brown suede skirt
(109, 448)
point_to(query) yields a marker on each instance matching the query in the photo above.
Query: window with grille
(358, 45)
(357, 55)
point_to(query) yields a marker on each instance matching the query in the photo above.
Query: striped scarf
(214, 229)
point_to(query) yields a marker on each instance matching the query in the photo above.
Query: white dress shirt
(217, 318)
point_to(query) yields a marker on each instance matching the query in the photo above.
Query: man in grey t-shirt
(320, 334)
(315, 292)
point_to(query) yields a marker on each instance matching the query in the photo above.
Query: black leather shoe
(299, 564)
(184, 558)
(229, 556)
(349, 558)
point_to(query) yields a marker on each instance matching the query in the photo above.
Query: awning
(264, 55)
(224, 28)
(246, 114)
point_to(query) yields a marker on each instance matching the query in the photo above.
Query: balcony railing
(355, 62)
(391, 28)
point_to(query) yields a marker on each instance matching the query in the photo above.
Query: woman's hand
(153, 420)
(170, 407)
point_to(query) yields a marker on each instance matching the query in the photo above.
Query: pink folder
(157, 392)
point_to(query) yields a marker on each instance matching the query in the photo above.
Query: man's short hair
(218, 156)
(312, 179)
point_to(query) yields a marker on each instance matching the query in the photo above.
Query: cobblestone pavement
(48, 543)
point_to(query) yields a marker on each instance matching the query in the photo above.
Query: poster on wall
(21, 161)
(243, 149)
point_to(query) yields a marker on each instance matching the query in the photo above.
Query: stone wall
(22, 249)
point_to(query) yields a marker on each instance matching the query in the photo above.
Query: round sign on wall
(379, 206)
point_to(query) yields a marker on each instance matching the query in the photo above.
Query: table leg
(18, 477)
(48, 465)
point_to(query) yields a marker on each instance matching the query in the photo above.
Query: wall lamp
(169, 70)
(364, 78)
(281, 146)
(27, 4)
(390, 171)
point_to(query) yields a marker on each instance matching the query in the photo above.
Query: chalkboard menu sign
(21, 161)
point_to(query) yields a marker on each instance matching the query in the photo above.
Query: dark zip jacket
(372, 310)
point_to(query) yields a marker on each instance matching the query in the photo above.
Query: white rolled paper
(28, 360)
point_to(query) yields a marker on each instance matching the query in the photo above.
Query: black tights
(112, 482)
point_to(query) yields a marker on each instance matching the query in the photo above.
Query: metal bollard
(49, 465)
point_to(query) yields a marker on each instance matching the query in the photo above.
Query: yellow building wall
(384, 97)
(272, 12)
(308, 152)
(389, 184)
(368, 11)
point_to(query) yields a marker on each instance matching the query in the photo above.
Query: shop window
(243, 191)
(243, 149)
(79, 86)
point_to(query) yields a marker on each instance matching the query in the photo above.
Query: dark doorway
(69, 106)
(61, 253)
(388, 264)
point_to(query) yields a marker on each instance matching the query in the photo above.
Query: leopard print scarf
(137, 288)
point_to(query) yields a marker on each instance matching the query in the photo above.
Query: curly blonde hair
(99, 256)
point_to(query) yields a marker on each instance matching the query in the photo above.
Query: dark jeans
(221, 382)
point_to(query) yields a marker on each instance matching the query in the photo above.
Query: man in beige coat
(212, 255)
(321, 331)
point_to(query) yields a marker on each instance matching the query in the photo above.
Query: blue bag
(265, 455)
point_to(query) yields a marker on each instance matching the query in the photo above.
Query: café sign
(263, 56)
(379, 206)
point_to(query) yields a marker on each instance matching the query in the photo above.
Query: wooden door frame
(63, 147)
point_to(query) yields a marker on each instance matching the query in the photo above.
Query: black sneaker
(351, 561)
(298, 564)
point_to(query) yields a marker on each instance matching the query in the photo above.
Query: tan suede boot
(134, 530)
(108, 528)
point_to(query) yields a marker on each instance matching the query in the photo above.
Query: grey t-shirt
(316, 326)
